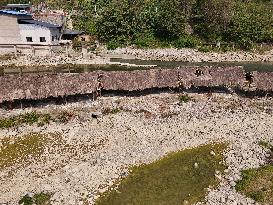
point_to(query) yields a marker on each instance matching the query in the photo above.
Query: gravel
(192, 55)
(94, 153)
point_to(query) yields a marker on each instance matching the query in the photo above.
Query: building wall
(9, 30)
(36, 31)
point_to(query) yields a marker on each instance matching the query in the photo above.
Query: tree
(171, 17)
(213, 17)
(251, 22)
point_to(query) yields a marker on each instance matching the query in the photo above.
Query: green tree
(251, 22)
(212, 17)
(171, 17)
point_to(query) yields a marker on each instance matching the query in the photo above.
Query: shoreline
(168, 54)
(191, 55)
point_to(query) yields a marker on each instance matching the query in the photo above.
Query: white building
(21, 28)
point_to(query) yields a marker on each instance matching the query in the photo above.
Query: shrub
(42, 199)
(251, 22)
(204, 49)
(145, 40)
(186, 41)
(113, 44)
(246, 43)
(26, 200)
(29, 118)
(37, 199)
(184, 98)
(115, 111)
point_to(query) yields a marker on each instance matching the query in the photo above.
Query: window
(42, 39)
(29, 39)
(52, 38)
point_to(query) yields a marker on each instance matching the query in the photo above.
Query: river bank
(104, 57)
(191, 55)
(90, 154)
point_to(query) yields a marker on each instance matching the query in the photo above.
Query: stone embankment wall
(41, 86)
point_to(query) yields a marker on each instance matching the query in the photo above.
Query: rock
(232, 183)
(185, 202)
(196, 165)
(212, 153)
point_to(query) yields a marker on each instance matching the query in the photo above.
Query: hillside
(153, 23)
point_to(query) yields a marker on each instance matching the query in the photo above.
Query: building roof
(15, 13)
(19, 6)
(72, 32)
(40, 23)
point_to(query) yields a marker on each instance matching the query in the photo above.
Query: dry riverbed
(79, 159)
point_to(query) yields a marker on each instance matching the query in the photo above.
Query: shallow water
(248, 66)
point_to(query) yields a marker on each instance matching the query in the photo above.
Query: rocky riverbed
(191, 55)
(104, 138)
(167, 54)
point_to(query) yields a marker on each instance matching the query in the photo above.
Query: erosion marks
(178, 178)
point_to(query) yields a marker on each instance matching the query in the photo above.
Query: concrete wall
(36, 31)
(9, 30)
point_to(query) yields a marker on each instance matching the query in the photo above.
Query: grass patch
(27, 118)
(184, 98)
(171, 180)
(115, 111)
(22, 149)
(257, 184)
(38, 199)
(31, 118)
(266, 145)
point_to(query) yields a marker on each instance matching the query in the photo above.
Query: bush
(246, 43)
(204, 49)
(113, 44)
(29, 118)
(26, 200)
(42, 199)
(37, 199)
(184, 98)
(145, 40)
(251, 22)
(186, 41)
(115, 111)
